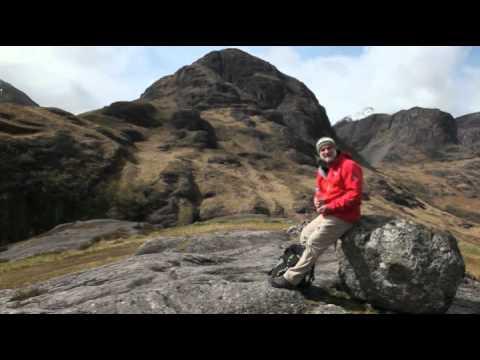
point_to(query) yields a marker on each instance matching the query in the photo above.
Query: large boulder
(399, 265)
(137, 113)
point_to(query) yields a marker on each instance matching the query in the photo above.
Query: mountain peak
(10, 94)
(232, 78)
(235, 64)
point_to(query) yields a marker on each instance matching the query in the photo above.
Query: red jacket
(341, 189)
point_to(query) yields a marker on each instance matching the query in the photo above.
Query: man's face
(328, 153)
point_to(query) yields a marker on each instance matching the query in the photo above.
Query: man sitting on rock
(337, 199)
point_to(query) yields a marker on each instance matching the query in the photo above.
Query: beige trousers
(317, 236)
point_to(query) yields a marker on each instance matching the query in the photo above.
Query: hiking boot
(304, 284)
(281, 283)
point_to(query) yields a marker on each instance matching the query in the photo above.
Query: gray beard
(328, 160)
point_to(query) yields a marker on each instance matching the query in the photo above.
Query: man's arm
(318, 197)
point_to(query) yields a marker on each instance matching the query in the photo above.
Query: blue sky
(344, 79)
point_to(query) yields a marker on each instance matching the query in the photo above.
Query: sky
(345, 79)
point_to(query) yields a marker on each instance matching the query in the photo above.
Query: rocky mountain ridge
(408, 135)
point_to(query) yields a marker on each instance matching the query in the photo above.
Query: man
(337, 200)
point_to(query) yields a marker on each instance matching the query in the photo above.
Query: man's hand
(317, 203)
(323, 210)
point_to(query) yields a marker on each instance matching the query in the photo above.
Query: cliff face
(408, 135)
(469, 131)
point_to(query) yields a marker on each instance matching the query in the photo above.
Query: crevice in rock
(140, 282)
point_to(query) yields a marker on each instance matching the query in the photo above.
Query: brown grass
(471, 256)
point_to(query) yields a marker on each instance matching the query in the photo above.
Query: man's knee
(303, 239)
(308, 230)
(317, 243)
(312, 248)
(304, 235)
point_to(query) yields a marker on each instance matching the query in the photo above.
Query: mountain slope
(227, 134)
(10, 94)
(51, 164)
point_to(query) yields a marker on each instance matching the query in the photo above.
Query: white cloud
(76, 79)
(84, 78)
(388, 79)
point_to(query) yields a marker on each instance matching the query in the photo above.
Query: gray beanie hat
(324, 141)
